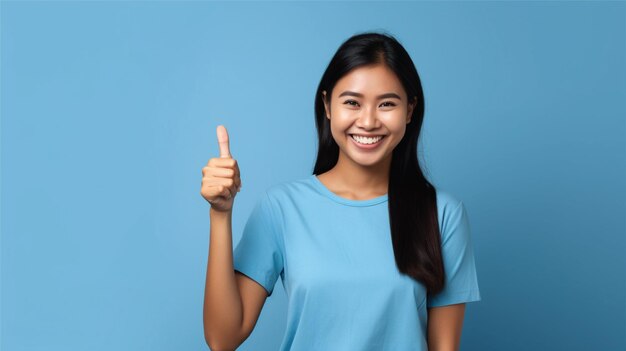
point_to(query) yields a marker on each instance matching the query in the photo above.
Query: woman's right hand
(220, 177)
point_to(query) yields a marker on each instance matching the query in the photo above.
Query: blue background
(109, 113)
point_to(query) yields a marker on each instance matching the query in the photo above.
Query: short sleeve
(461, 283)
(258, 253)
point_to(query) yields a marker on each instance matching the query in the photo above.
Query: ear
(410, 110)
(325, 104)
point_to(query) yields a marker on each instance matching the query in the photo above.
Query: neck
(359, 179)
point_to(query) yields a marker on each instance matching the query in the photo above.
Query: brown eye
(350, 102)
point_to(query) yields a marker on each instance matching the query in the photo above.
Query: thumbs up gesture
(220, 177)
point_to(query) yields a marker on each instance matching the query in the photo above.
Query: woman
(372, 256)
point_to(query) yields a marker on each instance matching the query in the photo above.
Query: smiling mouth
(367, 140)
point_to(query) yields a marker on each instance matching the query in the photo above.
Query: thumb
(222, 140)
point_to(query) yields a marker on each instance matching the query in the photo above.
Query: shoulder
(447, 201)
(283, 190)
(450, 208)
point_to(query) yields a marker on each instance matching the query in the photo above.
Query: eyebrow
(383, 96)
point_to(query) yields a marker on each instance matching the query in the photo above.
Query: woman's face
(369, 101)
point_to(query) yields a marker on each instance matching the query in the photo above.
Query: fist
(220, 177)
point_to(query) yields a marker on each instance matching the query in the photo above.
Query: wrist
(216, 213)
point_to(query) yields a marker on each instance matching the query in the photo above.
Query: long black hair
(412, 199)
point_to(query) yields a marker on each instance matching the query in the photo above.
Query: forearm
(445, 324)
(223, 311)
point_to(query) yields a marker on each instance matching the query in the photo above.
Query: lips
(378, 138)
(367, 147)
(367, 135)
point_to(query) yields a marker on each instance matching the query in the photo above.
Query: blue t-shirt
(336, 261)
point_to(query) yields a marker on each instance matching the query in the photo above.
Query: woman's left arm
(444, 327)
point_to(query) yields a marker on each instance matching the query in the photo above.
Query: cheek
(340, 122)
(337, 129)
(340, 113)
(396, 124)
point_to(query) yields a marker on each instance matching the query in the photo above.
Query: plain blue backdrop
(109, 112)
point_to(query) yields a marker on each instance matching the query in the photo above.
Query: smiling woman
(372, 256)
(370, 101)
(369, 125)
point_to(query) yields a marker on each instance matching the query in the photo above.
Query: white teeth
(366, 140)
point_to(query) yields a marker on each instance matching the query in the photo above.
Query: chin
(366, 160)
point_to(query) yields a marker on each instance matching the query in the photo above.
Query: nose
(367, 119)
